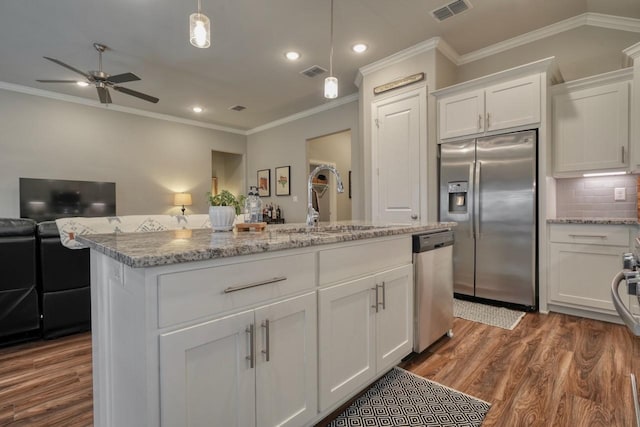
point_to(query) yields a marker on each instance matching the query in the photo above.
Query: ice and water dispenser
(458, 196)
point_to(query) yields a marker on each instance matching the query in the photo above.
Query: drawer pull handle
(598, 236)
(254, 284)
(252, 345)
(266, 351)
(377, 299)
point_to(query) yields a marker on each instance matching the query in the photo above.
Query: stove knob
(629, 261)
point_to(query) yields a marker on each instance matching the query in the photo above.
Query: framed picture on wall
(264, 182)
(283, 181)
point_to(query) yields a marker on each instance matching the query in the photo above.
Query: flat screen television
(49, 199)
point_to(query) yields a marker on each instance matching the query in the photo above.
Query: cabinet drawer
(189, 295)
(608, 235)
(353, 261)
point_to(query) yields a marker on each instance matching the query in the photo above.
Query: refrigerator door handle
(472, 189)
(476, 202)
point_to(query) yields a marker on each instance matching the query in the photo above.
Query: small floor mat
(487, 314)
(401, 398)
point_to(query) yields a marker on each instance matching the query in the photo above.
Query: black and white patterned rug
(487, 314)
(401, 398)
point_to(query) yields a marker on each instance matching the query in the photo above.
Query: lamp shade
(199, 30)
(182, 199)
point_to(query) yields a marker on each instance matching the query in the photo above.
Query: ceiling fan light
(199, 30)
(331, 87)
(82, 84)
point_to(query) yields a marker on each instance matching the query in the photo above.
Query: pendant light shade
(331, 87)
(199, 29)
(331, 82)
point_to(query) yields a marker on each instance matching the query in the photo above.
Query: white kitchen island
(194, 328)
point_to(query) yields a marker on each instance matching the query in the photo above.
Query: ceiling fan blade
(123, 78)
(75, 70)
(103, 94)
(136, 94)
(57, 81)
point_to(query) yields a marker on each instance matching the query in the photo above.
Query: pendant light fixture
(331, 83)
(199, 29)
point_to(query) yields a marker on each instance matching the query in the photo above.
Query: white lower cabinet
(583, 259)
(254, 368)
(365, 327)
(582, 274)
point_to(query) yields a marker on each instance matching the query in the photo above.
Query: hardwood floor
(47, 383)
(552, 370)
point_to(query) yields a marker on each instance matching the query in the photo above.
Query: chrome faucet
(312, 214)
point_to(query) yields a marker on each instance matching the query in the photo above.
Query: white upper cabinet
(510, 104)
(461, 114)
(513, 103)
(591, 124)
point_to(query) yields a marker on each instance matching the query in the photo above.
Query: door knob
(414, 216)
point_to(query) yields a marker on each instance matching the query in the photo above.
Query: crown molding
(620, 23)
(542, 65)
(622, 75)
(631, 54)
(409, 52)
(306, 113)
(593, 19)
(113, 107)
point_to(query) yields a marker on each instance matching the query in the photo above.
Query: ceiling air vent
(237, 108)
(313, 71)
(453, 8)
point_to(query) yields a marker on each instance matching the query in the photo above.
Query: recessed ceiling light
(197, 109)
(359, 48)
(83, 84)
(292, 55)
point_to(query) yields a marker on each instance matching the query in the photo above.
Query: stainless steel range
(630, 275)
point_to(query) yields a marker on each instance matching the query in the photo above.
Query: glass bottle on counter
(253, 206)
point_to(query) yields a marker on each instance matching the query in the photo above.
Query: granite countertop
(177, 246)
(604, 221)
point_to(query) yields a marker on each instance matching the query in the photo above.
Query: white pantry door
(398, 131)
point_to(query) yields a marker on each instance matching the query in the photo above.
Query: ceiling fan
(101, 80)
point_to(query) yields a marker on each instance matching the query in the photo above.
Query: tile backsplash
(594, 197)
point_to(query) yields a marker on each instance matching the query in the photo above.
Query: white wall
(148, 159)
(285, 145)
(581, 52)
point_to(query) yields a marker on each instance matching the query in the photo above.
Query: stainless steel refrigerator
(488, 186)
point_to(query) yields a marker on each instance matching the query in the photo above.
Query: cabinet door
(514, 103)
(194, 390)
(346, 339)
(461, 115)
(287, 385)
(581, 274)
(398, 133)
(394, 320)
(591, 128)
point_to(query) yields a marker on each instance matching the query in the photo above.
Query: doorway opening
(334, 150)
(227, 172)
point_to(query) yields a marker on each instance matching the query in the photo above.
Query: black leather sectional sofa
(44, 286)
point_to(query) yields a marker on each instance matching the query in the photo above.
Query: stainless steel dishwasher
(433, 273)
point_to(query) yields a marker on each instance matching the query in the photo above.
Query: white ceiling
(245, 64)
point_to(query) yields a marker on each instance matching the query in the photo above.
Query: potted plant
(223, 209)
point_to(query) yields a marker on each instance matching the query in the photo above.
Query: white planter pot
(222, 217)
